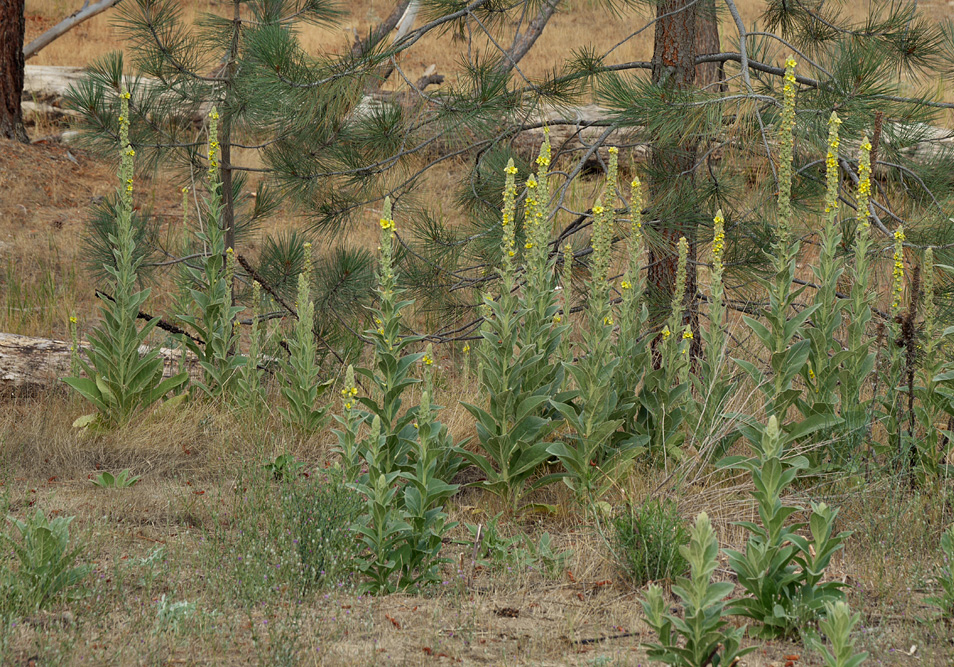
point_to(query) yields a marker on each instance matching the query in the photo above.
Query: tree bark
(672, 168)
(707, 42)
(12, 28)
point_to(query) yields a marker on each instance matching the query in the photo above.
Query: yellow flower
(528, 245)
(687, 334)
(666, 333)
(466, 348)
(73, 319)
(214, 115)
(598, 210)
(511, 170)
(387, 224)
(608, 321)
(427, 360)
(125, 95)
(626, 285)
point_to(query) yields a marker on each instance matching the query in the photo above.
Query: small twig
(162, 324)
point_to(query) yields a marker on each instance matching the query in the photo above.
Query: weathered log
(29, 366)
(571, 128)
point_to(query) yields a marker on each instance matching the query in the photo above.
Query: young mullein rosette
(118, 381)
(821, 375)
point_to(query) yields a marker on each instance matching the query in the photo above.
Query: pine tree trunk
(671, 178)
(12, 28)
(707, 42)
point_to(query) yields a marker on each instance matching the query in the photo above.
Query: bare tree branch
(84, 13)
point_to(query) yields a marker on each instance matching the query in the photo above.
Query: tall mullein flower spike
(897, 288)
(427, 361)
(786, 152)
(864, 186)
(387, 248)
(636, 243)
(566, 278)
(229, 268)
(349, 392)
(543, 180)
(930, 310)
(126, 159)
(531, 213)
(306, 261)
(74, 346)
(600, 241)
(718, 252)
(612, 176)
(185, 207)
(678, 295)
(831, 170)
(508, 222)
(213, 144)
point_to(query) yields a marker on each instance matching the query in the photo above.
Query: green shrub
(837, 626)
(648, 540)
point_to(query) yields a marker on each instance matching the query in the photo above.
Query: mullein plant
(663, 397)
(543, 329)
(787, 348)
(299, 378)
(782, 566)
(394, 363)
(702, 636)
(837, 626)
(893, 362)
(211, 288)
(857, 362)
(250, 391)
(713, 385)
(511, 431)
(934, 405)
(592, 462)
(821, 374)
(632, 342)
(118, 380)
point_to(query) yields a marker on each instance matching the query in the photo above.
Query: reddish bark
(12, 28)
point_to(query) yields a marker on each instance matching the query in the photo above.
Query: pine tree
(334, 153)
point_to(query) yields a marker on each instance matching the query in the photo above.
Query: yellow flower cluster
(831, 166)
(608, 321)
(864, 183)
(350, 391)
(687, 334)
(508, 242)
(466, 348)
(666, 333)
(213, 142)
(626, 285)
(387, 224)
(427, 360)
(718, 241)
(898, 272)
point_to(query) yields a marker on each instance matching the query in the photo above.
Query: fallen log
(30, 366)
(572, 129)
